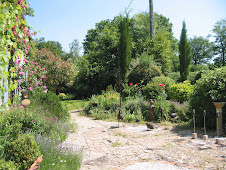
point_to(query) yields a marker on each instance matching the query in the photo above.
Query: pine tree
(185, 54)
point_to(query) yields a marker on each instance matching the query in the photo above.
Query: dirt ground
(105, 146)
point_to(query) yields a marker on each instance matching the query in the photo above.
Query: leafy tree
(74, 50)
(54, 46)
(202, 50)
(219, 32)
(59, 74)
(185, 54)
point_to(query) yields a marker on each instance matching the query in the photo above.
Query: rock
(150, 125)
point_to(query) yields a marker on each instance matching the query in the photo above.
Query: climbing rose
(161, 84)
(130, 84)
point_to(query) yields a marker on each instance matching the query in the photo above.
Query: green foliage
(219, 33)
(202, 50)
(15, 39)
(7, 165)
(151, 90)
(131, 90)
(124, 48)
(59, 73)
(143, 68)
(56, 157)
(62, 96)
(175, 76)
(74, 104)
(181, 92)
(185, 54)
(51, 102)
(182, 110)
(209, 88)
(23, 151)
(53, 46)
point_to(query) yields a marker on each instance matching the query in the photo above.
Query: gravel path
(131, 147)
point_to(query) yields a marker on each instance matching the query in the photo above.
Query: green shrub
(7, 165)
(174, 75)
(151, 90)
(51, 102)
(182, 109)
(62, 96)
(23, 151)
(164, 80)
(181, 92)
(131, 90)
(143, 69)
(210, 87)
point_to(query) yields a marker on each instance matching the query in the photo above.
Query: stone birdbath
(219, 121)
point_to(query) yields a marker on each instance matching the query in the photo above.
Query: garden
(123, 69)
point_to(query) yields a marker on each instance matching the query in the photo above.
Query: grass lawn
(74, 104)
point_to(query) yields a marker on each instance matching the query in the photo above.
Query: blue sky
(64, 21)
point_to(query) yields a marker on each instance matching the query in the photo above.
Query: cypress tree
(185, 54)
(124, 48)
(124, 51)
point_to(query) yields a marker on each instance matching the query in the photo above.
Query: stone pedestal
(205, 137)
(194, 136)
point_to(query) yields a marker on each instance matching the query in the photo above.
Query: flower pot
(219, 120)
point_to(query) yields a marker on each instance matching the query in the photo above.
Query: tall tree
(152, 20)
(124, 56)
(184, 53)
(219, 32)
(202, 50)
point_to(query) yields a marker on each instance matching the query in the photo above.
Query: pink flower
(56, 118)
(36, 64)
(39, 67)
(33, 121)
(14, 27)
(21, 107)
(14, 32)
(43, 76)
(8, 109)
(44, 87)
(26, 52)
(17, 61)
(29, 74)
(18, 81)
(10, 70)
(22, 90)
(32, 63)
(22, 73)
(28, 33)
(19, 88)
(7, 29)
(26, 68)
(30, 88)
(46, 91)
(32, 33)
(43, 69)
(16, 18)
(25, 41)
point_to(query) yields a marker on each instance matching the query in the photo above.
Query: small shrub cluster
(51, 102)
(181, 92)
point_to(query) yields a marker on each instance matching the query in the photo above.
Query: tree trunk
(152, 20)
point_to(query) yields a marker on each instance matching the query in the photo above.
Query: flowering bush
(31, 76)
(15, 36)
(132, 90)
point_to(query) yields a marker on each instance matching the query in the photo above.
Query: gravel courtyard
(131, 146)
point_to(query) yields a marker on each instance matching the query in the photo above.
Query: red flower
(161, 84)
(33, 121)
(130, 84)
(162, 88)
(137, 84)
